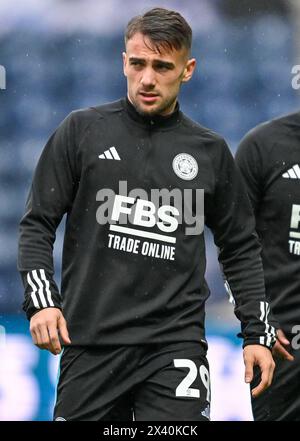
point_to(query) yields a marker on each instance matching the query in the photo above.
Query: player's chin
(148, 108)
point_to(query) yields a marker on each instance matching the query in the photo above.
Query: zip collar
(154, 121)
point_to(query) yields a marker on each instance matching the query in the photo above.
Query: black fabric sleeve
(50, 197)
(231, 219)
(250, 161)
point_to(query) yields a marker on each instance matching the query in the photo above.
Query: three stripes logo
(41, 294)
(292, 173)
(111, 153)
(269, 338)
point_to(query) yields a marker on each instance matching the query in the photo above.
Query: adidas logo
(292, 173)
(111, 153)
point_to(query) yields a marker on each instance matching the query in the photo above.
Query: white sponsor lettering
(136, 246)
(295, 218)
(144, 214)
(294, 245)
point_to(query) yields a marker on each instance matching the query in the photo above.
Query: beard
(157, 110)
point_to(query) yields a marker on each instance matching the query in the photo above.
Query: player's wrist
(267, 342)
(33, 311)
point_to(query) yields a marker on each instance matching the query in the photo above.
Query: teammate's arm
(251, 165)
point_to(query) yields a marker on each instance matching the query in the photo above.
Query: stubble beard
(156, 111)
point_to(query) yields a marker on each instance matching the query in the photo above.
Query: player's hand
(45, 328)
(279, 350)
(261, 356)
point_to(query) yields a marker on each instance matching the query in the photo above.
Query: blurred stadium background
(61, 55)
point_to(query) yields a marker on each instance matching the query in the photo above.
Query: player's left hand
(261, 356)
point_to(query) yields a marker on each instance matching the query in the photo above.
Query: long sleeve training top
(269, 159)
(133, 265)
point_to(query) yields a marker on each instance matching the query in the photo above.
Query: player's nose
(148, 78)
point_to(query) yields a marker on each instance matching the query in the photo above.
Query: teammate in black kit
(130, 176)
(269, 158)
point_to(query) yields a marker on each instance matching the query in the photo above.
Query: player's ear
(124, 55)
(189, 70)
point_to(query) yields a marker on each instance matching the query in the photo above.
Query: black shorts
(143, 383)
(281, 401)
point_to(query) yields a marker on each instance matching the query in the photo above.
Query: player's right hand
(279, 349)
(46, 326)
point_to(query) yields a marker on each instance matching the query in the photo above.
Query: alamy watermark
(295, 343)
(152, 218)
(166, 209)
(2, 77)
(296, 78)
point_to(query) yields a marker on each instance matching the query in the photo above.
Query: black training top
(133, 265)
(269, 158)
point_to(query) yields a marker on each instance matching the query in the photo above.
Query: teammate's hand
(44, 328)
(279, 350)
(261, 356)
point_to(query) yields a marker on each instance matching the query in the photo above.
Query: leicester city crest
(185, 166)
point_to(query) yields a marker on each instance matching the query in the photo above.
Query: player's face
(154, 78)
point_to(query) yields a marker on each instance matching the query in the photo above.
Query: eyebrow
(166, 64)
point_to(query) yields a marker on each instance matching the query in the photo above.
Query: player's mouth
(148, 97)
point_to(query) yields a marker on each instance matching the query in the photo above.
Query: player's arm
(231, 219)
(252, 163)
(50, 197)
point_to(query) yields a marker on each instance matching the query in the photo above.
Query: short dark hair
(165, 28)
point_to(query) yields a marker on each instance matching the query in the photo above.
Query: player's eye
(162, 67)
(136, 63)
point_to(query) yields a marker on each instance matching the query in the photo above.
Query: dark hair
(166, 29)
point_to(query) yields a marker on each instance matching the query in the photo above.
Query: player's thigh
(281, 401)
(122, 409)
(179, 390)
(93, 385)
